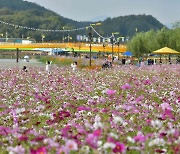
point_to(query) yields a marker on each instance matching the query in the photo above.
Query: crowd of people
(108, 64)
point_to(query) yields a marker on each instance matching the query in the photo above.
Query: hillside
(29, 14)
(127, 25)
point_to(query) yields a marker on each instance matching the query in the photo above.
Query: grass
(66, 61)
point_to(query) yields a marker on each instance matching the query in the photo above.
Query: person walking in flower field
(74, 66)
(48, 64)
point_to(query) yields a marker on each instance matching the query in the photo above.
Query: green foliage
(176, 24)
(56, 60)
(147, 42)
(138, 45)
(127, 25)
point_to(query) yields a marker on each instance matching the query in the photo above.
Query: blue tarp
(127, 53)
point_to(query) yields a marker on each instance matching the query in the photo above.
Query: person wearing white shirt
(48, 64)
(74, 66)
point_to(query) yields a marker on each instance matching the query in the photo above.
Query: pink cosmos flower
(65, 131)
(91, 101)
(51, 142)
(140, 98)
(63, 150)
(120, 148)
(64, 114)
(112, 140)
(140, 138)
(166, 106)
(97, 132)
(148, 121)
(126, 86)
(38, 138)
(4, 130)
(80, 129)
(167, 114)
(105, 110)
(147, 82)
(18, 149)
(178, 99)
(71, 145)
(92, 140)
(110, 92)
(81, 108)
(176, 133)
(23, 138)
(41, 150)
(160, 151)
(101, 99)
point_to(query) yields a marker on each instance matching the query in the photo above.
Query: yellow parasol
(166, 50)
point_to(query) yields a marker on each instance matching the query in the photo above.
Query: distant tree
(174, 39)
(162, 37)
(176, 25)
(138, 45)
(147, 42)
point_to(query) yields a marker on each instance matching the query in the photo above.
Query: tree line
(144, 43)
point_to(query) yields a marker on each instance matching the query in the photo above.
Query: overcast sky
(166, 11)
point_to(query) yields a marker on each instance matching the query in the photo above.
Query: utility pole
(63, 35)
(6, 36)
(90, 39)
(118, 49)
(112, 42)
(17, 55)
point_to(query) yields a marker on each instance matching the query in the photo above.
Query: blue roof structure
(127, 53)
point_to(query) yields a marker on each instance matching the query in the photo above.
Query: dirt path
(21, 63)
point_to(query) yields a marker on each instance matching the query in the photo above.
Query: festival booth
(166, 51)
(128, 53)
(127, 57)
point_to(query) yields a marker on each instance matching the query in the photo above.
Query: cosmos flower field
(126, 109)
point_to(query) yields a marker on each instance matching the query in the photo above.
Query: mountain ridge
(32, 15)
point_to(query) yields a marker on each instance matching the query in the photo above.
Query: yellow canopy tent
(166, 50)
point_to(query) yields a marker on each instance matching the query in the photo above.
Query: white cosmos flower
(171, 131)
(19, 110)
(132, 118)
(85, 149)
(89, 113)
(113, 135)
(178, 141)
(104, 91)
(156, 123)
(99, 143)
(125, 123)
(157, 142)
(151, 107)
(118, 107)
(95, 97)
(97, 118)
(97, 125)
(109, 145)
(152, 91)
(118, 119)
(130, 139)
